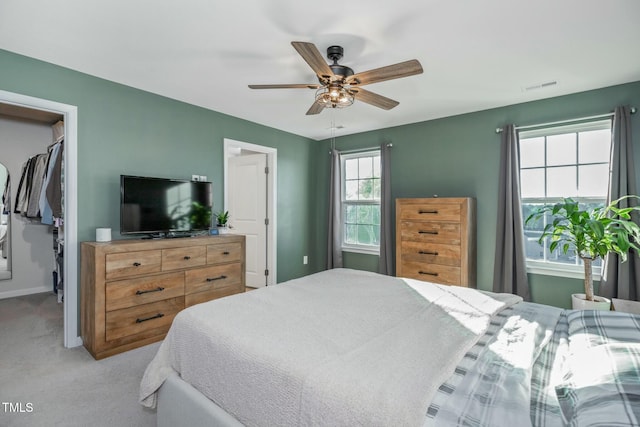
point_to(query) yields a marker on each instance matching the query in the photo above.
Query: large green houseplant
(592, 233)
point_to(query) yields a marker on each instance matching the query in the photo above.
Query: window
(361, 202)
(568, 161)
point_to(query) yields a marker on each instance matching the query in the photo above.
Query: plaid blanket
(547, 372)
(491, 384)
(578, 368)
(602, 382)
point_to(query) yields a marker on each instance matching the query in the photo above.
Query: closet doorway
(69, 114)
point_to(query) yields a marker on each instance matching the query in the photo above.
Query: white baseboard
(22, 292)
(76, 342)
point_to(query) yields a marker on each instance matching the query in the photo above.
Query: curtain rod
(362, 149)
(559, 122)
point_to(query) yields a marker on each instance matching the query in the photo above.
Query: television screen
(159, 205)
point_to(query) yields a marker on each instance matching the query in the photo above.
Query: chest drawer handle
(225, 253)
(421, 211)
(158, 289)
(428, 273)
(427, 232)
(136, 264)
(144, 319)
(428, 253)
(212, 279)
(187, 257)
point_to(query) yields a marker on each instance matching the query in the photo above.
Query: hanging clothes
(39, 193)
(6, 197)
(24, 188)
(54, 191)
(55, 185)
(46, 211)
(39, 171)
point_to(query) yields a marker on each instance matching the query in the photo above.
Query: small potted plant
(592, 233)
(222, 218)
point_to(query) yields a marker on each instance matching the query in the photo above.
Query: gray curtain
(385, 262)
(621, 279)
(510, 272)
(334, 246)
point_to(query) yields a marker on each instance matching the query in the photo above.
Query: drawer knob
(158, 289)
(428, 273)
(422, 211)
(144, 319)
(225, 253)
(427, 232)
(212, 279)
(428, 253)
(187, 257)
(136, 264)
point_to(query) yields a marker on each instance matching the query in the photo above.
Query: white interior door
(247, 206)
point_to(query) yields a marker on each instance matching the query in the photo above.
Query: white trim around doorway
(232, 148)
(70, 114)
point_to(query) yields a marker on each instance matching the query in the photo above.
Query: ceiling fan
(338, 85)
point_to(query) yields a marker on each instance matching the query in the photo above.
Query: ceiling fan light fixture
(338, 85)
(334, 97)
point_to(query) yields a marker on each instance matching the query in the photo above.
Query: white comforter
(341, 347)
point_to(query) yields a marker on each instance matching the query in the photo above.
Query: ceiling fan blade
(373, 98)
(311, 54)
(316, 108)
(293, 86)
(396, 71)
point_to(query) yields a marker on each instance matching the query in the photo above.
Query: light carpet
(55, 386)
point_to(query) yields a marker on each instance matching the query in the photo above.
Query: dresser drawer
(431, 212)
(431, 253)
(439, 232)
(215, 277)
(138, 319)
(127, 264)
(224, 252)
(179, 258)
(435, 273)
(143, 290)
(199, 297)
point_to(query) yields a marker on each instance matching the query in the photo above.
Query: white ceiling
(475, 54)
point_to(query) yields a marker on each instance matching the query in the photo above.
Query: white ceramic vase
(579, 302)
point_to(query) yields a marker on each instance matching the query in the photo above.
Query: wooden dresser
(436, 240)
(132, 289)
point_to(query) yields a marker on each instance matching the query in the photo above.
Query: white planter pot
(579, 302)
(223, 230)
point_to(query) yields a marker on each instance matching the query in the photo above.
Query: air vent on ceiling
(539, 86)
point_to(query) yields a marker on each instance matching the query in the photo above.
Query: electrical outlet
(195, 177)
(305, 260)
(203, 178)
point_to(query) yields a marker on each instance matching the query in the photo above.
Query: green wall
(122, 130)
(459, 156)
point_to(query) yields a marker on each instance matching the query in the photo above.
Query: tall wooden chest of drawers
(436, 240)
(132, 289)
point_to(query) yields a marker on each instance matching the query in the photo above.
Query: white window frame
(350, 247)
(549, 267)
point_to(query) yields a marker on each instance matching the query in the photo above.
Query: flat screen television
(159, 205)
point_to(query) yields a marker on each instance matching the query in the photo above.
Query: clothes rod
(362, 149)
(559, 122)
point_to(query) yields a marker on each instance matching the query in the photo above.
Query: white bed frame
(180, 404)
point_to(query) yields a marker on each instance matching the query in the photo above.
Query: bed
(347, 347)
